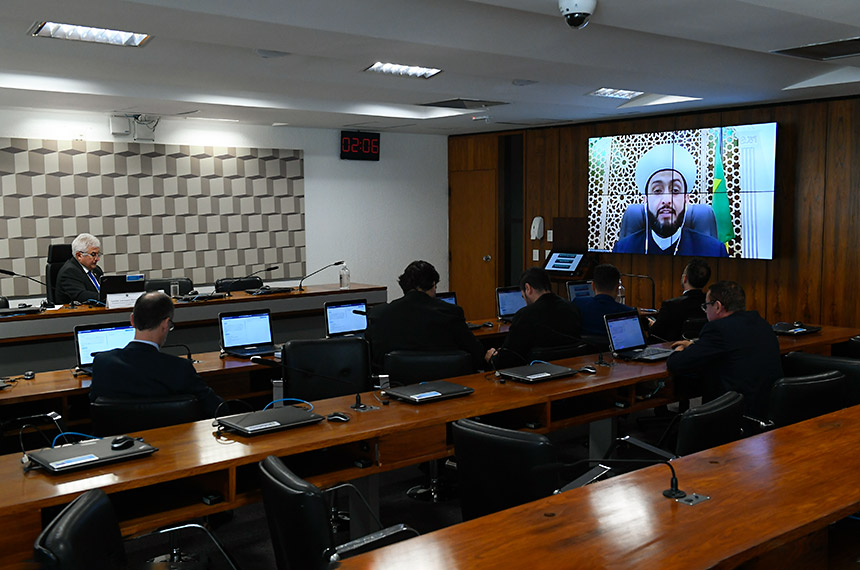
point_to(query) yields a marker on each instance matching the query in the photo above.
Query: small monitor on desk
(448, 297)
(563, 264)
(345, 318)
(577, 289)
(509, 300)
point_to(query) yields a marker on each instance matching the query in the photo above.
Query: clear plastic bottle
(622, 294)
(344, 277)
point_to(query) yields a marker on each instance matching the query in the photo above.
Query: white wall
(378, 216)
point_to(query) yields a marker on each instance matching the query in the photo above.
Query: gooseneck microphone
(237, 280)
(317, 271)
(649, 278)
(673, 492)
(185, 346)
(13, 274)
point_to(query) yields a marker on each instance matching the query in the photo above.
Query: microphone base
(674, 494)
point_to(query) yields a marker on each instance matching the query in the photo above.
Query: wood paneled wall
(815, 272)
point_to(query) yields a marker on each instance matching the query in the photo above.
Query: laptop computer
(449, 297)
(117, 287)
(246, 333)
(794, 329)
(577, 289)
(89, 453)
(509, 300)
(428, 392)
(627, 340)
(538, 372)
(92, 339)
(341, 318)
(269, 420)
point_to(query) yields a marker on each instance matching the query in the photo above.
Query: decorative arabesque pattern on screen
(162, 210)
(614, 167)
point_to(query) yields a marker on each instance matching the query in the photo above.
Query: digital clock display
(359, 146)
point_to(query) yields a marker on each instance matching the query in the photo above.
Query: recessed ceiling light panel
(616, 93)
(88, 34)
(403, 70)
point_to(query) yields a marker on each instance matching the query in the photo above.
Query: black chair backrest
(113, 416)
(4, 303)
(691, 328)
(548, 353)
(498, 468)
(412, 366)
(185, 285)
(712, 424)
(84, 536)
(802, 363)
(597, 343)
(298, 518)
(316, 369)
(58, 254)
(798, 398)
(229, 284)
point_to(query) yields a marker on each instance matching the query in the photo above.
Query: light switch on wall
(535, 255)
(549, 235)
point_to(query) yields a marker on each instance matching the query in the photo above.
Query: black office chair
(406, 367)
(185, 285)
(112, 416)
(848, 349)
(4, 303)
(58, 254)
(548, 353)
(597, 343)
(316, 369)
(86, 536)
(298, 516)
(691, 328)
(499, 468)
(230, 284)
(798, 398)
(802, 364)
(703, 427)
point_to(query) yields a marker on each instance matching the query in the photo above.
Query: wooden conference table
(771, 498)
(193, 460)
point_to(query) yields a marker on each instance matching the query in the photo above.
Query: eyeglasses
(94, 255)
(171, 324)
(705, 305)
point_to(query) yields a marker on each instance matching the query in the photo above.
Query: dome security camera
(577, 12)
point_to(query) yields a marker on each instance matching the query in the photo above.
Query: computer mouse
(337, 417)
(589, 369)
(489, 324)
(121, 442)
(29, 375)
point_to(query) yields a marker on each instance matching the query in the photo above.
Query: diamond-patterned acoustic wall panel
(163, 210)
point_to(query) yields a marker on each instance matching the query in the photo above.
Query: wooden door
(473, 240)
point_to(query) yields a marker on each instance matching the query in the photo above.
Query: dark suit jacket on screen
(549, 321)
(418, 321)
(692, 243)
(73, 283)
(739, 352)
(673, 312)
(141, 370)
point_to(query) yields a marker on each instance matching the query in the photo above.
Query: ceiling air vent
(464, 104)
(825, 51)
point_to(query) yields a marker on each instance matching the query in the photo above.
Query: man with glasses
(141, 370)
(736, 350)
(79, 278)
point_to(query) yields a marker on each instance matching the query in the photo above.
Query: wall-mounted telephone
(537, 228)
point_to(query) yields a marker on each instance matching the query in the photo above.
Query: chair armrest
(761, 425)
(371, 541)
(352, 488)
(203, 529)
(589, 476)
(648, 447)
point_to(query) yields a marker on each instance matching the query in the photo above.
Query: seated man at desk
(141, 369)
(669, 322)
(418, 320)
(547, 320)
(605, 281)
(78, 279)
(736, 350)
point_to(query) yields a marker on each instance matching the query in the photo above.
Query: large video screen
(703, 192)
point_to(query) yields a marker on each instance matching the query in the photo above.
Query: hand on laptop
(680, 345)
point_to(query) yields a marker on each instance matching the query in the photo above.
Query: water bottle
(622, 294)
(344, 277)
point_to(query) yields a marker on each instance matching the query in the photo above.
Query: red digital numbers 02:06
(359, 146)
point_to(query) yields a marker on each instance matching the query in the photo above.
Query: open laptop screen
(448, 297)
(92, 339)
(341, 318)
(577, 289)
(509, 300)
(250, 328)
(625, 331)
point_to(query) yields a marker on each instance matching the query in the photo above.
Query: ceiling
(203, 59)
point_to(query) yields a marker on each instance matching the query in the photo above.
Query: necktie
(94, 280)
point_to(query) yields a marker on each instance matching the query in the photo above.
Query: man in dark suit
(736, 350)
(547, 320)
(79, 278)
(418, 320)
(605, 282)
(669, 322)
(141, 370)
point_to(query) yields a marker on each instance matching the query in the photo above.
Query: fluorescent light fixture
(87, 34)
(657, 99)
(211, 119)
(403, 70)
(616, 93)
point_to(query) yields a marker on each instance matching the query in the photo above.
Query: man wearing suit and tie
(141, 370)
(79, 278)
